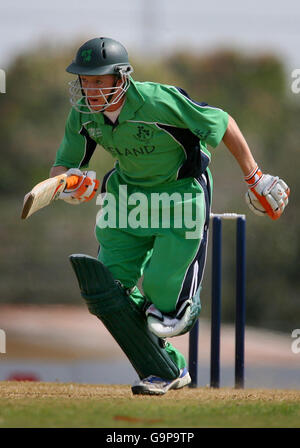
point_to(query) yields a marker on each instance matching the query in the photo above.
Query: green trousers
(159, 233)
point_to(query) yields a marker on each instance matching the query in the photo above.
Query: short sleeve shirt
(161, 135)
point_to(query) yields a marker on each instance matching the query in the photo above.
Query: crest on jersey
(95, 132)
(144, 133)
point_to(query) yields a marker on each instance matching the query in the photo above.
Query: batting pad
(107, 300)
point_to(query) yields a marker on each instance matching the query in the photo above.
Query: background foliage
(254, 90)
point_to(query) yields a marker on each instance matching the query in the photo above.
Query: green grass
(117, 408)
(110, 414)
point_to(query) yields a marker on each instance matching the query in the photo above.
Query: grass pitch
(60, 405)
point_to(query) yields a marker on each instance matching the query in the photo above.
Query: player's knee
(159, 295)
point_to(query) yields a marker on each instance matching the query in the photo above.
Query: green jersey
(161, 135)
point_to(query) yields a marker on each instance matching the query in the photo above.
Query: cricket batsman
(158, 136)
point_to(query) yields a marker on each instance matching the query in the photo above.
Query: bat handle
(71, 181)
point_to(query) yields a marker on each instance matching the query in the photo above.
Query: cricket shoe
(153, 385)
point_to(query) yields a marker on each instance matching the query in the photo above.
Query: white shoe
(153, 385)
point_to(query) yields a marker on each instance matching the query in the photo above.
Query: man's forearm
(56, 170)
(237, 145)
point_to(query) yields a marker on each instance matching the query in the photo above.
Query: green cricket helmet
(99, 56)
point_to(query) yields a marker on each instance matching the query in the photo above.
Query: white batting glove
(267, 194)
(84, 190)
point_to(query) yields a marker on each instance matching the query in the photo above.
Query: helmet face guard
(79, 96)
(99, 56)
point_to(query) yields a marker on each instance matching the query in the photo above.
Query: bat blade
(43, 194)
(28, 200)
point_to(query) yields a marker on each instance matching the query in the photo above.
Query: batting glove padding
(84, 190)
(267, 194)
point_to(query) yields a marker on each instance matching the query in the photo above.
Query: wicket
(216, 302)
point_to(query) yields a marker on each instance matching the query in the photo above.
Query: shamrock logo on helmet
(86, 55)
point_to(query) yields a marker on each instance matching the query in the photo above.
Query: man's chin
(97, 108)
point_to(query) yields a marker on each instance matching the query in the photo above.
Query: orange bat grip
(71, 181)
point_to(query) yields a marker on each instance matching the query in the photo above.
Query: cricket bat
(45, 192)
